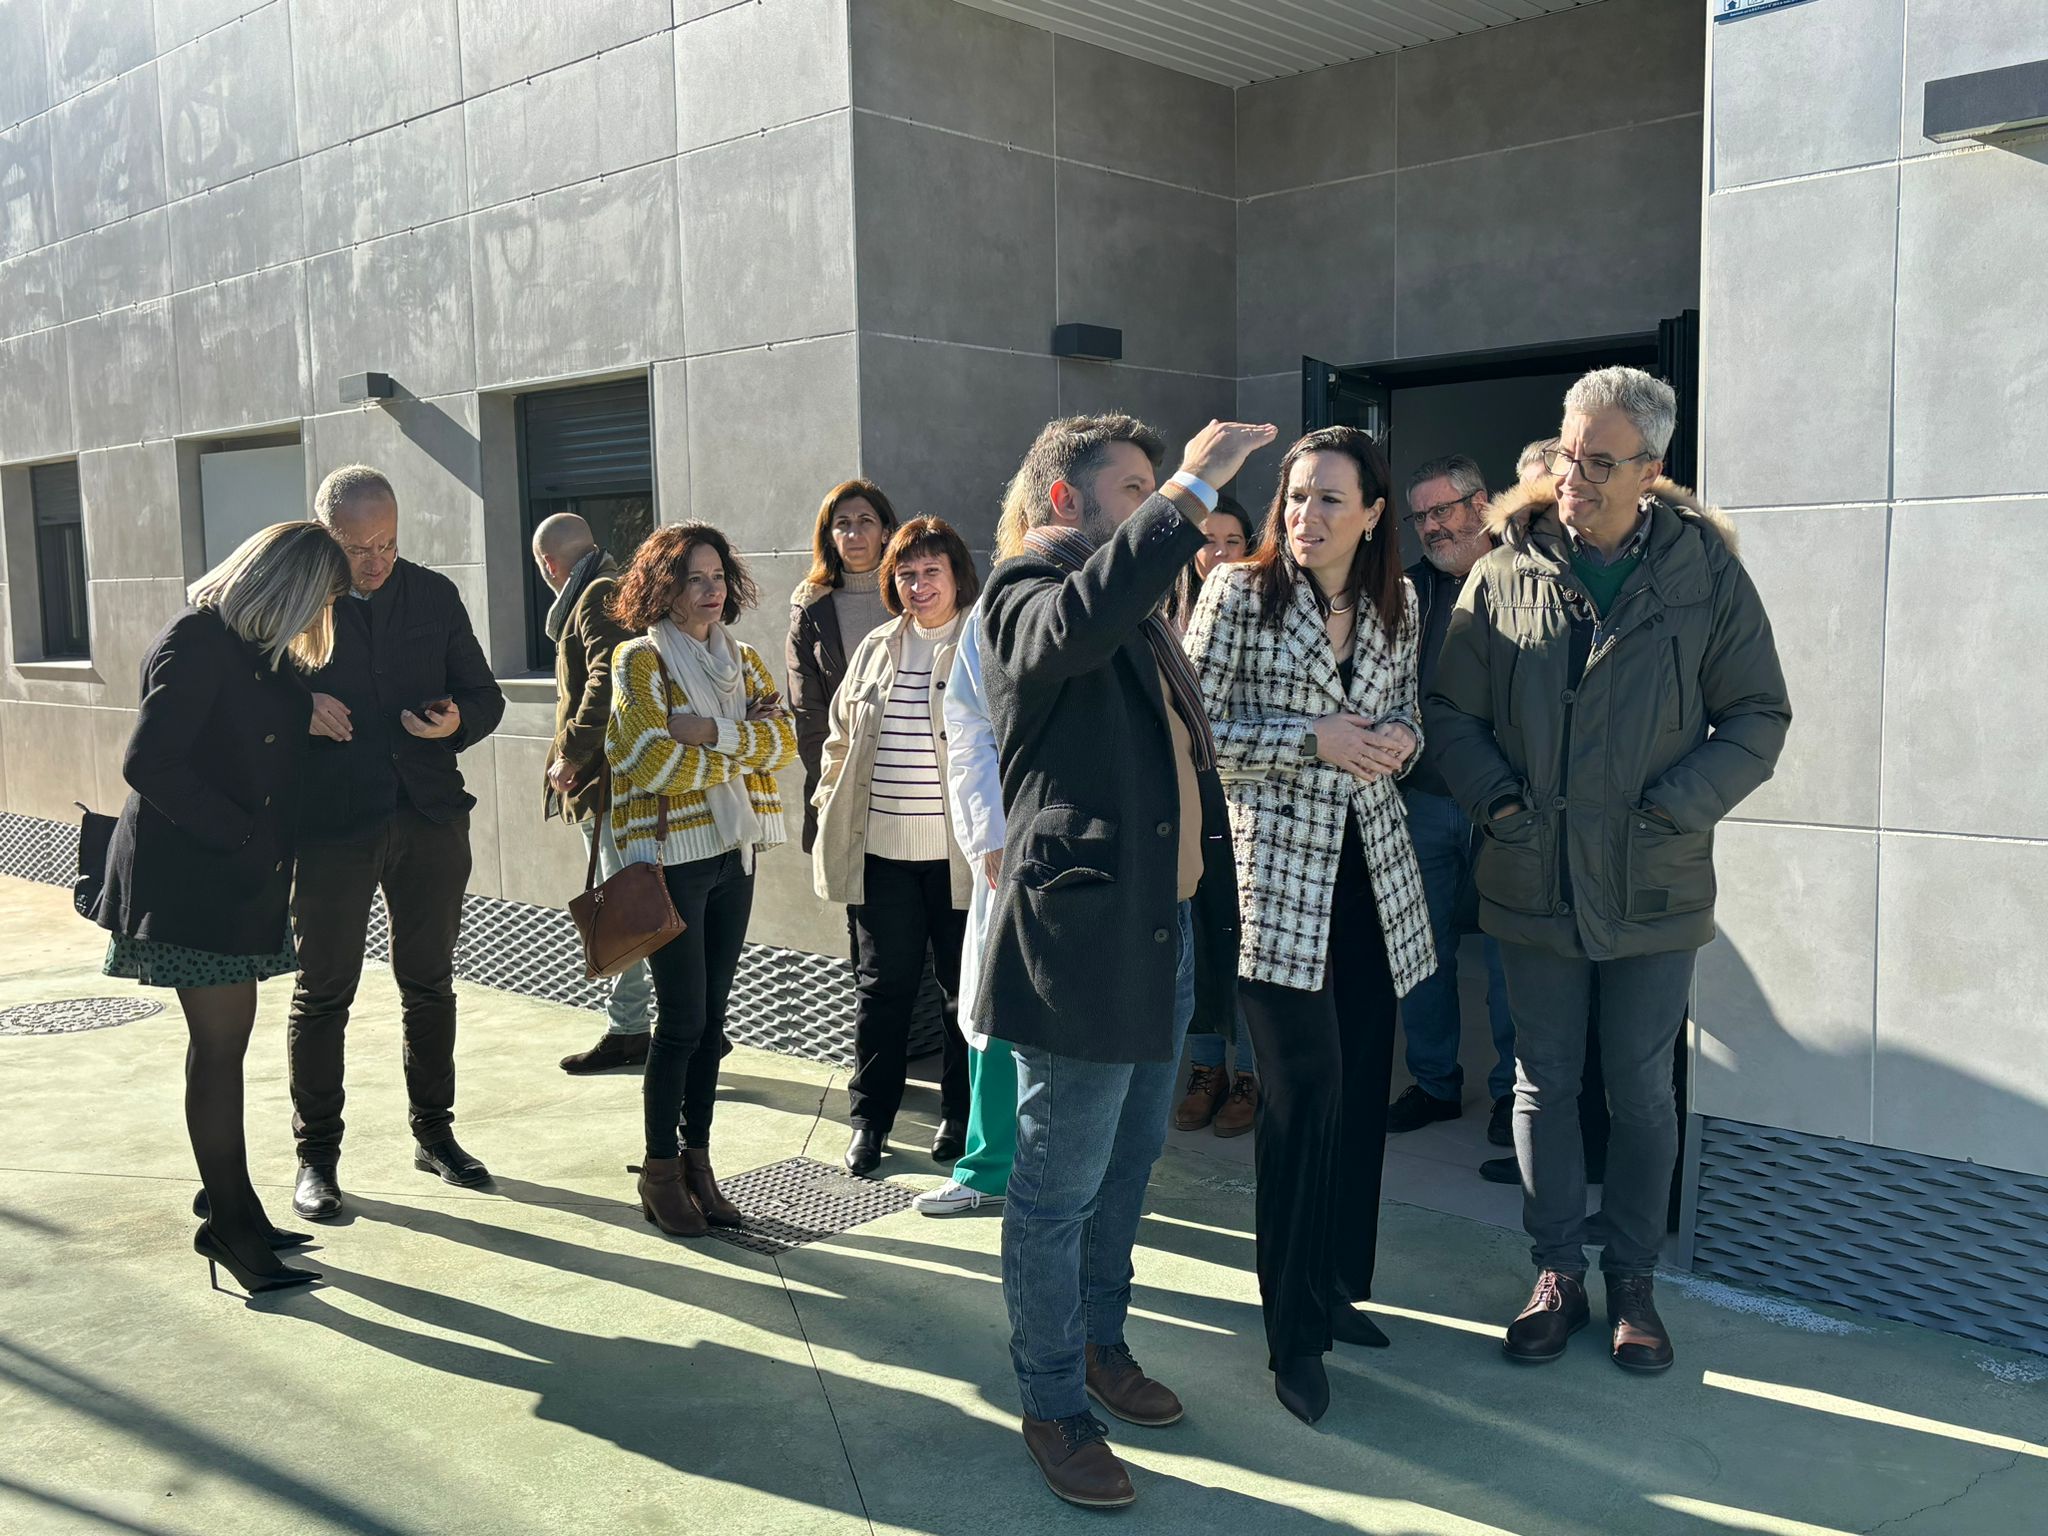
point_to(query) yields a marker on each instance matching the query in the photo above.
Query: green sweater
(1603, 582)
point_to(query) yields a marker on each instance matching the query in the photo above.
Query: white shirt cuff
(1204, 492)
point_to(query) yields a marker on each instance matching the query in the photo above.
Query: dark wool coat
(583, 694)
(1083, 943)
(815, 656)
(202, 856)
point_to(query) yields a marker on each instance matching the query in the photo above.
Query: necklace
(1334, 609)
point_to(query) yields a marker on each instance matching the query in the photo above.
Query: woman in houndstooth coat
(1307, 659)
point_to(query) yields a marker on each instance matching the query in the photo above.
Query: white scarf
(715, 683)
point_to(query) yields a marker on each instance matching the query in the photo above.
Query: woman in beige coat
(885, 844)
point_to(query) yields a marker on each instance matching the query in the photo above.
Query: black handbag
(95, 833)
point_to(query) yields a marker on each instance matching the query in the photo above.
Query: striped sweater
(650, 768)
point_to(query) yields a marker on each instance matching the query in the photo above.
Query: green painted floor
(537, 1359)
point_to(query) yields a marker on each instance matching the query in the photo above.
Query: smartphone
(432, 707)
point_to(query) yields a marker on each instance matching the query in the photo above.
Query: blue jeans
(1445, 841)
(1088, 1133)
(633, 988)
(1206, 1050)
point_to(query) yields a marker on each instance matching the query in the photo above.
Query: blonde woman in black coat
(199, 872)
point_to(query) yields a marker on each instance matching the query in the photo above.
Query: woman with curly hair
(696, 735)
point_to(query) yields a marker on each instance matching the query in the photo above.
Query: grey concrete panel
(24, 79)
(429, 451)
(1964, 737)
(35, 397)
(943, 428)
(600, 114)
(669, 403)
(127, 616)
(1808, 88)
(1960, 37)
(31, 291)
(1484, 263)
(244, 226)
(768, 237)
(1501, 87)
(116, 264)
(179, 21)
(1785, 998)
(1116, 111)
(935, 62)
(107, 153)
(507, 40)
(1276, 398)
(1800, 270)
(1176, 405)
(577, 280)
(759, 66)
(133, 524)
(242, 351)
(1157, 262)
(1328, 125)
(407, 175)
(770, 430)
(45, 747)
(1821, 573)
(1960, 976)
(88, 42)
(956, 237)
(124, 387)
(111, 729)
(542, 861)
(227, 103)
(486, 842)
(28, 209)
(1972, 343)
(355, 76)
(399, 306)
(1315, 275)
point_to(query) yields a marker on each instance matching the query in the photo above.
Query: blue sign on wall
(1735, 10)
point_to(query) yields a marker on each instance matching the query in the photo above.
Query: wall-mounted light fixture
(1097, 343)
(1986, 104)
(358, 387)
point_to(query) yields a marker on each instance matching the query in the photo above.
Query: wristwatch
(1307, 745)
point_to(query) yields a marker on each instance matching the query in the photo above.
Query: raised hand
(1217, 452)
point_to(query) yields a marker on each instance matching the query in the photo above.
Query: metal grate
(1914, 1238)
(76, 1015)
(800, 1200)
(34, 849)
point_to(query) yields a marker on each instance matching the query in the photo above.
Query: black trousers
(1326, 1061)
(422, 867)
(692, 979)
(908, 907)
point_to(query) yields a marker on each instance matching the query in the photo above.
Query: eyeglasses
(388, 550)
(1595, 468)
(1442, 509)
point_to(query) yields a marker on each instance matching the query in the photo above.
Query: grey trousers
(1642, 1008)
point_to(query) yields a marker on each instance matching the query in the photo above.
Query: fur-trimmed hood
(1518, 508)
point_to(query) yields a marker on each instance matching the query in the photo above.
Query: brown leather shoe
(1641, 1342)
(1206, 1089)
(1557, 1309)
(1078, 1464)
(1241, 1109)
(609, 1052)
(1116, 1382)
(665, 1199)
(703, 1187)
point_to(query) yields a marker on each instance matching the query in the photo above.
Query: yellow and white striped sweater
(650, 767)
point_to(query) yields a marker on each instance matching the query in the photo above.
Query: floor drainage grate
(75, 1015)
(800, 1200)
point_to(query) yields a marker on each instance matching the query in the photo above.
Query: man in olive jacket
(1608, 692)
(583, 578)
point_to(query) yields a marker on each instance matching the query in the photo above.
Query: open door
(1344, 397)
(1678, 364)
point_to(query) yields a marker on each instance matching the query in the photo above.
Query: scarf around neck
(1070, 549)
(715, 684)
(564, 604)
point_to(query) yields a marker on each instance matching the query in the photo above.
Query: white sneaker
(951, 1198)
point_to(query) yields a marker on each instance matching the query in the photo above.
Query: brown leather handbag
(631, 915)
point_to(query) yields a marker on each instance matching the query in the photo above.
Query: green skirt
(172, 965)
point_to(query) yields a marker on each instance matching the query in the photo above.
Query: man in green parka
(1609, 691)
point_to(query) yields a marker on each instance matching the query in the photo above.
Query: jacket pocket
(1517, 865)
(1669, 871)
(1064, 847)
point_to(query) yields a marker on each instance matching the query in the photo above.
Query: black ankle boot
(1348, 1325)
(1302, 1387)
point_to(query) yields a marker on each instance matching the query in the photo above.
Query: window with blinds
(589, 451)
(60, 560)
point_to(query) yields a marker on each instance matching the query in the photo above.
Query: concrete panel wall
(1876, 370)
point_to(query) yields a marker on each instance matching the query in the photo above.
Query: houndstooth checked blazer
(1263, 688)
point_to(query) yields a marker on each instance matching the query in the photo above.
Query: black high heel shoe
(1303, 1387)
(279, 1238)
(215, 1252)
